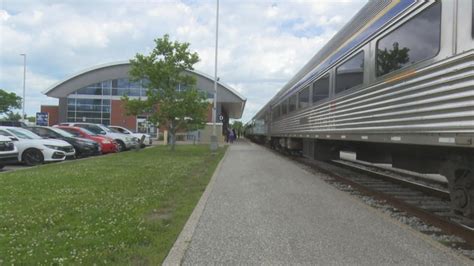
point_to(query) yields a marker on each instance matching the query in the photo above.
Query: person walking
(231, 136)
(233, 132)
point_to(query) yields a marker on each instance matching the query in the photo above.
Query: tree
(162, 72)
(239, 128)
(390, 60)
(11, 116)
(9, 101)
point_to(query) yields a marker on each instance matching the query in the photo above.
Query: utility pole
(214, 109)
(24, 81)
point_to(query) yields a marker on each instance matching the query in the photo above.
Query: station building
(94, 96)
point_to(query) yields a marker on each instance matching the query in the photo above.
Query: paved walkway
(264, 209)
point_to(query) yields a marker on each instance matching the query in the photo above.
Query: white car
(8, 151)
(124, 141)
(34, 150)
(123, 130)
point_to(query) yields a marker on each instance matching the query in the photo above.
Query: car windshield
(92, 128)
(72, 131)
(23, 133)
(105, 128)
(88, 132)
(124, 130)
(114, 130)
(62, 132)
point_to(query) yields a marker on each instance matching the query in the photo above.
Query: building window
(107, 87)
(115, 87)
(93, 89)
(124, 86)
(292, 104)
(181, 88)
(321, 89)
(88, 110)
(350, 73)
(415, 41)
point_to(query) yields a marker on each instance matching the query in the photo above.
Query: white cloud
(262, 44)
(4, 16)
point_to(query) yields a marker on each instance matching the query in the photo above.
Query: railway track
(428, 202)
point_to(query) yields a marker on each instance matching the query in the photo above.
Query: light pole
(214, 109)
(24, 81)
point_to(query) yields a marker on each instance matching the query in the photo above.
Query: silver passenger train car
(395, 85)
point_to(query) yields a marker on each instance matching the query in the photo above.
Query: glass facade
(115, 87)
(93, 102)
(88, 110)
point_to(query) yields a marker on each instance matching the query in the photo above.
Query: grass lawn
(125, 208)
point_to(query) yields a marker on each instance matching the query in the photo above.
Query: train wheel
(460, 174)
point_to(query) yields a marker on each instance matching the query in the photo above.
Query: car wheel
(121, 145)
(33, 157)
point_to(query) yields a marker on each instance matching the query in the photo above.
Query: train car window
(276, 112)
(321, 89)
(303, 98)
(416, 40)
(292, 104)
(284, 108)
(351, 73)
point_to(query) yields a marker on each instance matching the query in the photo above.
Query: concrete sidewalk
(264, 209)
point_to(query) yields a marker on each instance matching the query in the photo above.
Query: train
(395, 85)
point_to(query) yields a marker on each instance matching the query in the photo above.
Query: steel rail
(445, 224)
(443, 194)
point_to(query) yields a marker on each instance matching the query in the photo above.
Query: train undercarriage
(456, 164)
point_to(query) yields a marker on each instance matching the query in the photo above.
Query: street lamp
(214, 109)
(24, 80)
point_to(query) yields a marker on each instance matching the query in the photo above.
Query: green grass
(124, 208)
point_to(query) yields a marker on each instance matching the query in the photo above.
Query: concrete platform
(264, 209)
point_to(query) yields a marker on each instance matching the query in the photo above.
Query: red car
(107, 144)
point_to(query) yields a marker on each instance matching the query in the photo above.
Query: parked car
(147, 140)
(8, 151)
(84, 147)
(107, 145)
(124, 141)
(13, 124)
(34, 150)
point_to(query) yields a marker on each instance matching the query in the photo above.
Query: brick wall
(53, 113)
(119, 118)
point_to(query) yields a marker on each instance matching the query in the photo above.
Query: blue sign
(42, 119)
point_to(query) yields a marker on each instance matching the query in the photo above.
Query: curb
(177, 252)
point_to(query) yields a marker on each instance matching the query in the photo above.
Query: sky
(262, 44)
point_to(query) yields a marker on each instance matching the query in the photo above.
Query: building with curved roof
(94, 95)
